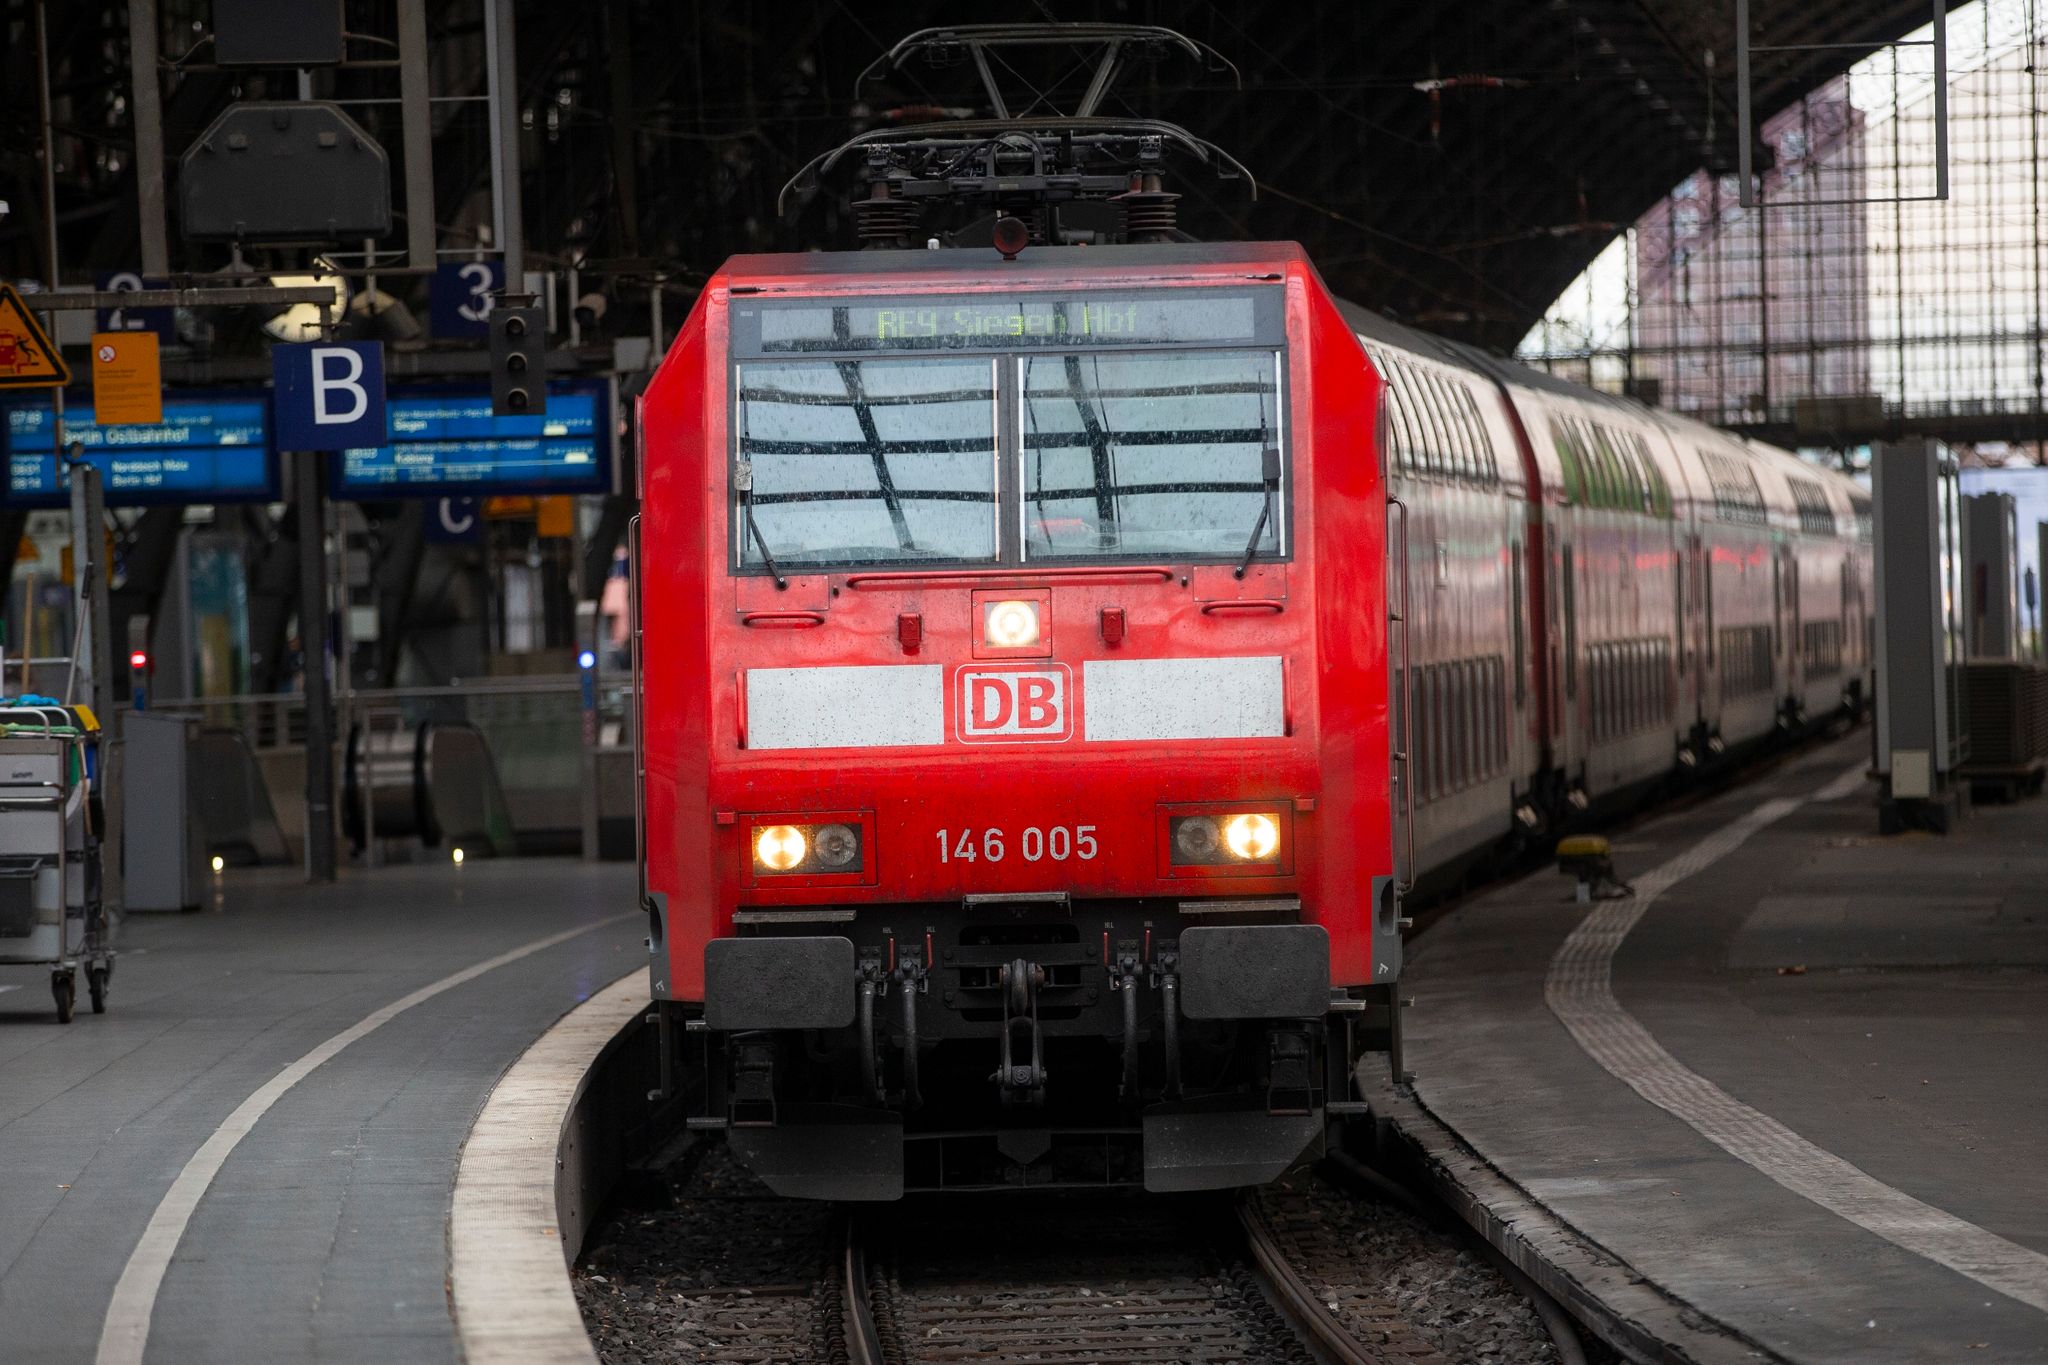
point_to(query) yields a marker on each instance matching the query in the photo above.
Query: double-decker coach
(1013, 646)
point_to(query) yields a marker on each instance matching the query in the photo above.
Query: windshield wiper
(743, 481)
(1269, 469)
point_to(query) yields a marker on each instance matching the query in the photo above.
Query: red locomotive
(1025, 689)
(1013, 640)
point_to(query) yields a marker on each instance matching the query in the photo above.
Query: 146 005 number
(1056, 843)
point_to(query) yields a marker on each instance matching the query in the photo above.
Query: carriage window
(866, 461)
(1567, 457)
(1158, 454)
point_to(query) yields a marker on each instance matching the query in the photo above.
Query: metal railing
(534, 727)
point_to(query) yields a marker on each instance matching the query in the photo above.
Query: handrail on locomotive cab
(1008, 577)
(1406, 755)
(782, 620)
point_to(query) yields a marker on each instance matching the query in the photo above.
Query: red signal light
(138, 660)
(1011, 235)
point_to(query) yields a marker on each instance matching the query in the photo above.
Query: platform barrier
(235, 809)
(503, 767)
(2007, 703)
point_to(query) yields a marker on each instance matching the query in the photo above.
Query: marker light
(780, 847)
(1196, 839)
(1010, 624)
(219, 862)
(456, 854)
(835, 845)
(1253, 838)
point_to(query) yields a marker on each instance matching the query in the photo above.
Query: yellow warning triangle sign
(27, 359)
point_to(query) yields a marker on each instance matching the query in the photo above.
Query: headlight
(1010, 624)
(1220, 840)
(811, 850)
(835, 846)
(779, 848)
(1195, 840)
(1252, 838)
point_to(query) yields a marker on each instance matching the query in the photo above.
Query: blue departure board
(210, 447)
(446, 440)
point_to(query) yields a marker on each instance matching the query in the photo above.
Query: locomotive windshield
(869, 461)
(1090, 428)
(1148, 454)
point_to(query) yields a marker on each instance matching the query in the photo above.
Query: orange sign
(27, 359)
(514, 508)
(555, 516)
(127, 379)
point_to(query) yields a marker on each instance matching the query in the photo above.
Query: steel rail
(1296, 1301)
(863, 1340)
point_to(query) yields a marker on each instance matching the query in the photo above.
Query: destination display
(1028, 321)
(447, 440)
(210, 447)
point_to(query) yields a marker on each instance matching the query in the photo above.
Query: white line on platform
(507, 1267)
(1580, 992)
(125, 1334)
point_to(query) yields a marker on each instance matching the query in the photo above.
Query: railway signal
(518, 361)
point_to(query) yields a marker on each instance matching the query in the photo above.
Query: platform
(1796, 1082)
(349, 1034)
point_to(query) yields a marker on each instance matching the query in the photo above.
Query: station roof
(1455, 164)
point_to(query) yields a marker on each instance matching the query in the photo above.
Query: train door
(1785, 621)
(1554, 641)
(1795, 652)
(1692, 663)
(1572, 749)
(1401, 666)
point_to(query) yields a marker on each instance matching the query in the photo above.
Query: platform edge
(509, 1287)
(1609, 1297)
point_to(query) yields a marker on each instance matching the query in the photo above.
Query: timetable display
(210, 447)
(447, 440)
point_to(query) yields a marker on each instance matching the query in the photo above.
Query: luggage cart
(51, 909)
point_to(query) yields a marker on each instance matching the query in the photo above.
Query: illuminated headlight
(780, 848)
(1252, 838)
(1219, 840)
(814, 849)
(1010, 624)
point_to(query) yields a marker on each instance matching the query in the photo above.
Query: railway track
(1263, 1278)
(1298, 1272)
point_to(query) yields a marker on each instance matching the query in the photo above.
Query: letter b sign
(330, 395)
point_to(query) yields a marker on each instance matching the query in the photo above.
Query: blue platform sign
(329, 395)
(446, 440)
(459, 300)
(212, 446)
(455, 521)
(162, 321)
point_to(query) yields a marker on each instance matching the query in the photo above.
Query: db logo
(1015, 705)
